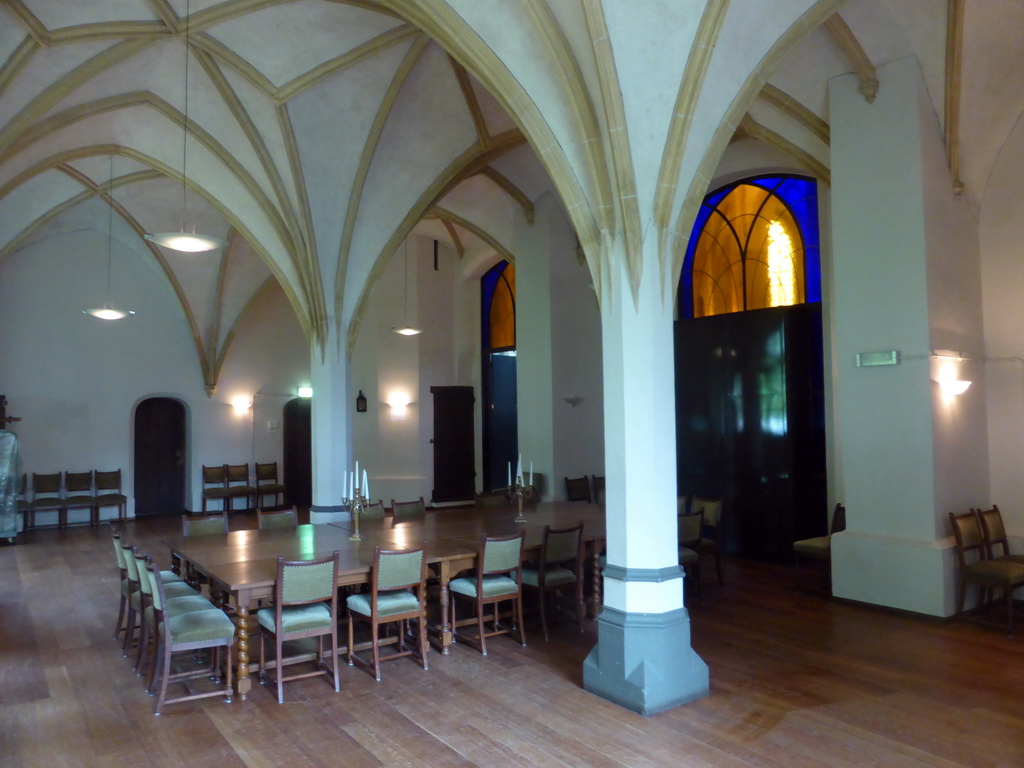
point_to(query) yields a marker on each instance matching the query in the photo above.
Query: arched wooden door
(159, 457)
(298, 452)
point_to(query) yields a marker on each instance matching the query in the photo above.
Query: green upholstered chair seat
(997, 572)
(79, 501)
(297, 618)
(819, 547)
(186, 604)
(171, 591)
(493, 586)
(688, 556)
(200, 627)
(388, 603)
(554, 577)
(708, 545)
(48, 503)
(170, 577)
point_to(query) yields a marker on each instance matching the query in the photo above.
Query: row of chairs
(984, 558)
(589, 489)
(62, 492)
(227, 482)
(160, 615)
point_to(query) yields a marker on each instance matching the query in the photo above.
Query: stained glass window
(754, 245)
(499, 307)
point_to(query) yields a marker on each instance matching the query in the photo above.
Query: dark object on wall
(159, 457)
(361, 402)
(454, 472)
(750, 422)
(298, 452)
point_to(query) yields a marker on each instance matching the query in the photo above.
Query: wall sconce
(948, 377)
(399, 402)
(241, 404)
(360, 402)
(573, 400)
(305, 392)
(953, 387)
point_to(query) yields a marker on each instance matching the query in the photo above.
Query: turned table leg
(243, 681)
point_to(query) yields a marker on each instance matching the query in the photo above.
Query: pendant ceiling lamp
(107, 311)
(405, 329)
(186, 242)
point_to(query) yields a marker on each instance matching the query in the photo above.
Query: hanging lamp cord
(110, 225)
(184, 143)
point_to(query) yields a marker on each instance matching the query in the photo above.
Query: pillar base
(644, 662)
(319, 515)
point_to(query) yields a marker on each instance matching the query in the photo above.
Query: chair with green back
(499, 578)
(47, 497)
(204, 526)
(559, 569)
(108, 492)
(78, 487)
(819, 548)
(577, 488)
(267, 483)
(305, 605)
(710, 543)
(690, 526)
(973, 567)
(285, 518)
(404, 511)
(398, 586)
(373, 511)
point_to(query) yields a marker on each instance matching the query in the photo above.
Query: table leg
(243, 681)
(596, 584)
(446, 627)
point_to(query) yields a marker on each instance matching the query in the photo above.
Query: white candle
(344, 485)
(351, 485)
(366, 486)
(531, 474)
(357, 470)
(510, 474)
(519, 470)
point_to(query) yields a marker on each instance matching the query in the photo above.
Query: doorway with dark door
(159, 457)
(298, 452)
(454, 473)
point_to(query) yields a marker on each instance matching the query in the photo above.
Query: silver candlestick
(517, 492)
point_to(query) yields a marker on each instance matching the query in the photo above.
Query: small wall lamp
(360, 402)
(573, 400)
(241, 404)
(305, 392)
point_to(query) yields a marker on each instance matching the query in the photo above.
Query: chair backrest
(78, 482)
(45, 485)
(374, 510)
(993, 531)
(156, 593)
(599, 488)
(142, 561)
(307, 581)
(711, 507)
(562, 546)
(838, 520)
(501, 554)
(691, 525)
(108, 481)
(968, 536)
(683, 504)
(491, 499)
(285, 518)
(266, 472)
(398, 569)
(407, 510)
(131, 569)
(202, 526)
(237, 473)
(215, 475)
(119, 552)
(577, 488)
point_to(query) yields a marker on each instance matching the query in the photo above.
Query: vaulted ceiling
(321, 132)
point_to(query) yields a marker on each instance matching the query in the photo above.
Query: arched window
(500, 415)
(754, 245)
(499, 307)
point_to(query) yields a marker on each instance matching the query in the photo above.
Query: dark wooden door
(159, 457)
(454, 473)
(298, 453)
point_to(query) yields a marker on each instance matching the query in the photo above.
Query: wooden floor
(796, 680)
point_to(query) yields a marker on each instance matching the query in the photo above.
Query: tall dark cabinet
(751, 424)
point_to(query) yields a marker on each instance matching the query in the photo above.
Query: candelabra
(517, 491)
(356, 505)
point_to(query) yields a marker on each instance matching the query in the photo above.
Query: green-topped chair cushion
(187, 604)
(388, 603)
(555, 576)
(170, 577)
(297, 618)
(999, 573)
(201, 626)
(493, 586)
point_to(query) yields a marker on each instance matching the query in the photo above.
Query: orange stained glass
(503, 310)
(750, 255)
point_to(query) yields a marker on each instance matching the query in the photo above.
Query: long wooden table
(241, 566)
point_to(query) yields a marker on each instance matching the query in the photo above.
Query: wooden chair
(78, 487)
(122, 568)
(994, 533)
(305, 605)
(238, 485)
(559, 568)
(267, 483)
(597, 482)
(819, 548)
(499, 578)
(691, 527)
(189, 632)
(492, 499)
(403, 511)
(577, 488)
(47, 497)
(203, 526)
(374, 511)
(136, 604)
(974, 568)
(215, 486)
(285, 518)
(710, 543)
(108, 492)
(398, 587)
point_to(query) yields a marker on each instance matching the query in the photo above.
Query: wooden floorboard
(796, 680)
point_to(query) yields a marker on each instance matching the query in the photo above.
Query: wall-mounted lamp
(360, 402)
(954, 387)
(241, 404)
(305, 392)
(948, 375)
(399, 402)
(573, 400)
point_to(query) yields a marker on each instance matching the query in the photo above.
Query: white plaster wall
(75, 381)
